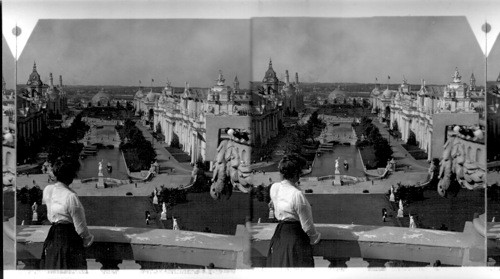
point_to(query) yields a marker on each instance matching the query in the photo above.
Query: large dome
(101, 98)
(139, 94)
(151, 97)
(34, 79)
(270, 76)
(387, 94)
(337, 94)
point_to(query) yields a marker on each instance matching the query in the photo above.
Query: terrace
(380, 246)
(150, 248)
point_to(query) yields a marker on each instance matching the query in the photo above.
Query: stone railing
(150, 248)
(378, 246)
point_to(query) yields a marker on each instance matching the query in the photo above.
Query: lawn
(453, 211)
(200, 212)
(368, 155)
(357, 209)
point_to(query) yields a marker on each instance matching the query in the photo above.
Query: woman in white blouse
(64, 247)
(291, 245)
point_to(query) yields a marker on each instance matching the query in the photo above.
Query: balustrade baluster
(337, 262)
(375, 262)
(109, 263)
(31, 264)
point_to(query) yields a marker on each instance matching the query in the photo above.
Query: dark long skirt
(63, 249)
(290, 247)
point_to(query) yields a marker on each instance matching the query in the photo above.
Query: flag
(152, 80)
(139, 82)
(388, 77)
(376, 79)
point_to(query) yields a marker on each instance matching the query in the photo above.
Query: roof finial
(34, 66)
(270, 63)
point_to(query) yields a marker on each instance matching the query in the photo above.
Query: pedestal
(336, 179)
(100, 182)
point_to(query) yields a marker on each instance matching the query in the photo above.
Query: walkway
(164, 158)
(401, 155)
(326, 187)
(89, 189)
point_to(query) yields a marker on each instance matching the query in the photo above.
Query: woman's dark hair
(291, 166)
(64, 169)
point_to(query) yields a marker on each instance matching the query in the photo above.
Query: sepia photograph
(379, 158)
(128, 150)
(254, 136)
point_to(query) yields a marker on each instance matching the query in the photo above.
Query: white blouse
(63, 206)
(291, 204)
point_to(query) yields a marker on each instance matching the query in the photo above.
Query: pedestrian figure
(271, 210)
(175, 225)
(412, 223)
(372, 182)
(384, 214)
(148, 217)
(136, 185)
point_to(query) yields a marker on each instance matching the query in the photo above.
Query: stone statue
(229, 171)
(175, 225)
(401, 204)
(163, 215)
(155, 199)
(391, 196)
(400, 213)
(337, 165)
(412, 223)
(35, 213)
(100, 167)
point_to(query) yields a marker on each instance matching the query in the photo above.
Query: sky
(126, 51)
(362, 49)
(122, 42)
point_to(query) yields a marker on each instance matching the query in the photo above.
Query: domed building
(35, 86)
(101, 99)
(270, 82)
(337, 96)
(427, 112)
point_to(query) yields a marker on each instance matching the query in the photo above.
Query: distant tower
(287, 77)
(60, 81)
(236, 84)
(51, 80)
(296, 78)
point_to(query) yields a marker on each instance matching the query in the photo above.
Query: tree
(109, 104)
(175, 141)
(395, 126)
(412, 139)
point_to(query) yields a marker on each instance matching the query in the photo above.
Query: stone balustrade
(381, 246)
(150, 248)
